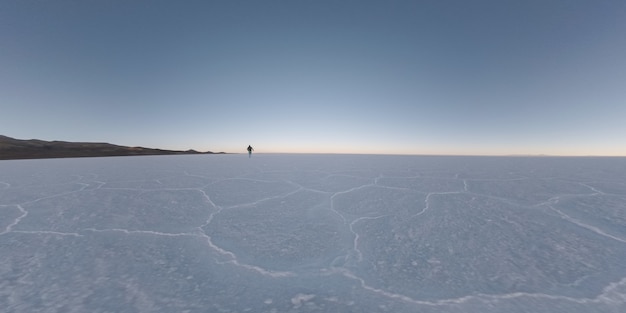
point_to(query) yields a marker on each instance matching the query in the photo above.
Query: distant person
(250, 149)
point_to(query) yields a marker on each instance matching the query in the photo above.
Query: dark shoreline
(16, 149)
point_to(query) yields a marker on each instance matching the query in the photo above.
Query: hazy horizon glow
(399, 77)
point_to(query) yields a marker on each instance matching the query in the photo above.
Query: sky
(384, 77)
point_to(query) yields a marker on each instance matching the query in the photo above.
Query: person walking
(250, 149)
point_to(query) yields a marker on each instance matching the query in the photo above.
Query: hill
(11, 148)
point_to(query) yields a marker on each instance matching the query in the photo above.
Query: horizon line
(444, 155)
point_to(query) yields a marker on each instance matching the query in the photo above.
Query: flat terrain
(313, 233)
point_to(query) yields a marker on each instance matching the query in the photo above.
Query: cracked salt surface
(313, 233)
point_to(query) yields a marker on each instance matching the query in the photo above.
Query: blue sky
(401, 77)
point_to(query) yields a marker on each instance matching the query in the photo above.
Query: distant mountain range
(11, 148)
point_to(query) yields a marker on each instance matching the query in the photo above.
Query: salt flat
(313, 233)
